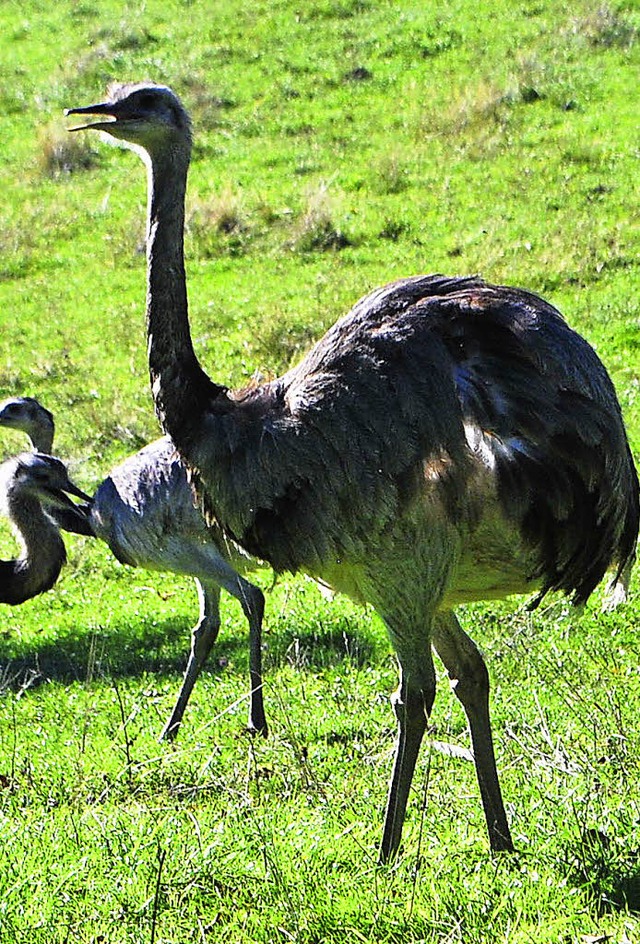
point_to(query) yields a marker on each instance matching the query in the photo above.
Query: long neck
(42, 553)
(180, 387)
(42, 438)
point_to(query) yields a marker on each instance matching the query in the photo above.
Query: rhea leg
(213, 573)
(412, 703)
(470, 682)
(252, 601)
(203, 636)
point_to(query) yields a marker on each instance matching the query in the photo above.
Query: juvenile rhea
(144, 510)
(447, 440)
(31, 487)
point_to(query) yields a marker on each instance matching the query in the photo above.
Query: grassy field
(339, 144)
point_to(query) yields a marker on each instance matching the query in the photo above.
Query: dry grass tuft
(392, 174)
(205, 103)
(220, 223)
(63, 153)
(479, 108)
(317, 230)
(606, 27)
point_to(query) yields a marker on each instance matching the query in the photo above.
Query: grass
(339, 145)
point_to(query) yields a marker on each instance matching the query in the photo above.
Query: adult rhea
(447, 440)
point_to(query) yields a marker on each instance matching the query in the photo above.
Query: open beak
(74, 490)
(104, 108)
(59, 496)
(65, 513)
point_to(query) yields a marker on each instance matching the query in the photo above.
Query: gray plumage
(144, 510)
(30, 486)
(27, 415)
(446, 441)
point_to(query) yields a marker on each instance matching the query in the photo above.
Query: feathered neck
(181, 389)
(42, 552)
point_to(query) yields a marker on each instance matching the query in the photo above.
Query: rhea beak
(59, 497)
(104, 108)
(65, 513)
(74, 490)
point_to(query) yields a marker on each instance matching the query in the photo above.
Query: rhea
(31, 487)
(144, 511)
(445, 441)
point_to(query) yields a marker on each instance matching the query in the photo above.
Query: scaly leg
(470, 682)
(412, 704)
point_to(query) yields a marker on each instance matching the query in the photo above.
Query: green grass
(339, 144)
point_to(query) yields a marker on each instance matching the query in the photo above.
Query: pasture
(338, 145)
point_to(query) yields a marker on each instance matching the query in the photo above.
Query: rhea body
(33, 486)
(447, 440)
(145, 512)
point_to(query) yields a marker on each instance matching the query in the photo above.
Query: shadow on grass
(317, 645)
(162, 649)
